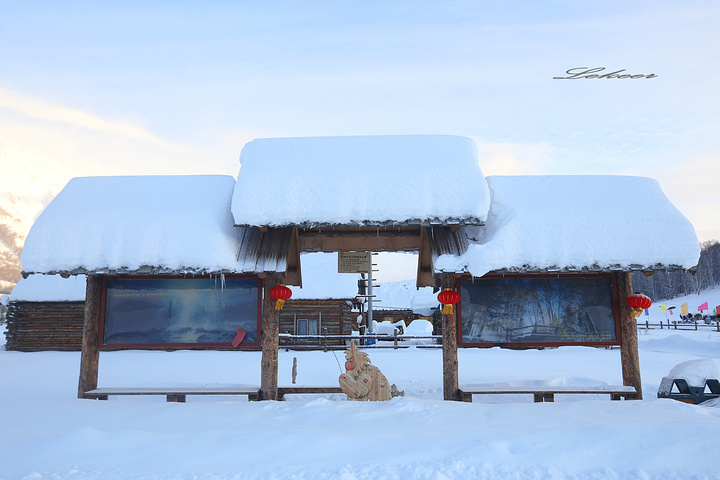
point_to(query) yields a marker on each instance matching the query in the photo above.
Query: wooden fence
(675, 325)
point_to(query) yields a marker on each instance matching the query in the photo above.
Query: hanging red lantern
(280, 293)
(448, 298)
(638, 302)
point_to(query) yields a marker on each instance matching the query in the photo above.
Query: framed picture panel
(169, 311)
(538, 310)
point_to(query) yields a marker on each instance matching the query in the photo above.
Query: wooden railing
(295, 342)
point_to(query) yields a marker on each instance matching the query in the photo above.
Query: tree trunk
(451, 387)
(269, 340)
(90, 356)
(628, 336)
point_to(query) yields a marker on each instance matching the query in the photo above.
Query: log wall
(37, 326)
(336, 316)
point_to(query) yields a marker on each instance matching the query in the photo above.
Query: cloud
(40, 110)
(513, 158)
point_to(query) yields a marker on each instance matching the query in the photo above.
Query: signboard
(354, 262)
(181, 311)
(537, 310)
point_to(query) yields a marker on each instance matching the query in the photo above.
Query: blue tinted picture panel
(561, 310)
(159, 311)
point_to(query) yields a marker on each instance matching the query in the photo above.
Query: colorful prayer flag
(684, 309)
(702, 307)
(663, 307)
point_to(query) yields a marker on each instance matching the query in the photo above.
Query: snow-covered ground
(47, 433)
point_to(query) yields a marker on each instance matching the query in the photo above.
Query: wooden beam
(348, 239)
(293, 271)
(425, 267)
(352, 243)
(628, 336)
(451, 387)
(269, 340)
(90, 356)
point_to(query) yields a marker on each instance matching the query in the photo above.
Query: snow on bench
(546, 393)
(174, 394)
(179, 394)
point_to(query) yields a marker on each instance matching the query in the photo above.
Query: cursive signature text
(588, 73)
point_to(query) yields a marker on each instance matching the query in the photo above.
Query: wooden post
(451, 387)
(628, 336)
(269, 341)
(90, 356)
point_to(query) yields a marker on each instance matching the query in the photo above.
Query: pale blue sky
(180, 87)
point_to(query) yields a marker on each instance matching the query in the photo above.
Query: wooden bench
(174, 394)
(179, 394)
(282, 391)
(545, 393)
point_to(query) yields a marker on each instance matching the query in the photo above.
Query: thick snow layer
(574, 222)
(124, 223)
(47, 433)
(696, 371)
(359, 180)
(50, 288)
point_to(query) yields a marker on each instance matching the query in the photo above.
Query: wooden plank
(494, 389)
(298, 390)
(238, 390)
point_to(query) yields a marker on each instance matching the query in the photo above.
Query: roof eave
(527, 269)
(431, 222)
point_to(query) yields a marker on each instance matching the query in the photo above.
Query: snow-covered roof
(174, 224)
(185, 224)
(556, 223)
(363, 180)
(49, 288)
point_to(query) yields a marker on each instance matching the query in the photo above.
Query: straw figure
(363, 381)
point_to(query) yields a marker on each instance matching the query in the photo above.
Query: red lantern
(448, 298)
(280, 293)
(638, 302)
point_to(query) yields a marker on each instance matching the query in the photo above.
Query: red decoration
(638, 302)
(239, 337)
(280, 293)
(448, 298)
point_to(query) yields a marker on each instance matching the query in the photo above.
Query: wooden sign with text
(354, 262)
